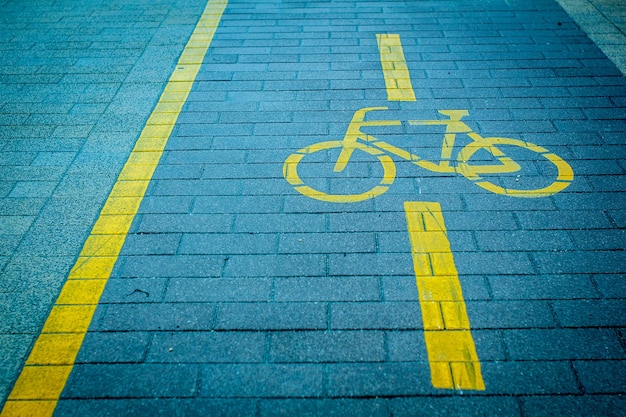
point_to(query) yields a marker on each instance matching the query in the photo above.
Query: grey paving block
(157, 407)
(376, 407)
(196, 187)
(353, 222)
(134, 290)
(227, 244)
(272, 316)
(184, 223)
(155, 317)
(187, 290)
(152, 244)
(599, 239)
(114, 347)
(455, 406)
(562, 344)
(588, 405)
(275, 265)
(131, 381)
(479, 263)
(203, 156)
(509, 314)
(573, 262)
(321, 289)
(326, 242)
(532, 378)
(370, 264)
(207, 347)
(524, 240)
(238, 204)
(15, 225)
(165, 204)
(171, 266)
(610, 285)
(488, 220)
(327, 346)
(571, 218)
(280, 223)
(599, 377)
(262, 380)
(378, 380)
(370, 315)
(589, 313)
(530, 287)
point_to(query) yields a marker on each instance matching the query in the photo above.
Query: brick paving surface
(236, 295)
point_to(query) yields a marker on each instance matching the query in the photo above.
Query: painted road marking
(452, 355)
(51, 360)
(395, 70)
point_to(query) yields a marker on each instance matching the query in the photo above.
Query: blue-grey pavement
(78, 81)
(234, 294)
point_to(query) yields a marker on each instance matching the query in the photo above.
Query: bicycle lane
(234, 292)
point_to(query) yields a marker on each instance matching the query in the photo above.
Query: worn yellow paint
(395, 70)
(452, 355)
(39, 386)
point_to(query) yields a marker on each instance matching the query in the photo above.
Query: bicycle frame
(453, 125)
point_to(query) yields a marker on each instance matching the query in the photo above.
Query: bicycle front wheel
(293, 177)
(560, 174)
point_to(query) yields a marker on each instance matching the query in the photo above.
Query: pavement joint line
(43, 377)
(454, 363)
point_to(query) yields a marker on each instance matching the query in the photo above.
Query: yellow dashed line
(452, 355)
(50, 362)
(395, 70)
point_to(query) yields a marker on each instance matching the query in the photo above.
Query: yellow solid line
(395, 70)
(452, 355)
(43, 377)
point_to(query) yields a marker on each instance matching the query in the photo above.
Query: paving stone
(532, 378)
(562, 344)
(272, 316)
(114, 347)
(447, 406)
(134, 290)
(156, 317)
(326, 289)
(168, 266)
(369, 315)
(599, 377)
(132, 381)
(509, 314)
(218, 289)
(262, 380)
(327, 346)
(327, 407)
(589, 313)
(529, 287)
(157, 407)
(378, 380)
(207, 347)
(588, 405)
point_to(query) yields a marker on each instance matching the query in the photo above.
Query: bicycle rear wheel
(291, 174)
(479, 174)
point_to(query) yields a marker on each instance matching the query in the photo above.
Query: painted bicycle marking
(356, 140)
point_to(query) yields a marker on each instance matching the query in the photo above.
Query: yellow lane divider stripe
(395, 70)
(52, 358)
(452, 355)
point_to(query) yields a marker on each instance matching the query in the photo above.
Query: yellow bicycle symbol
(355, 139)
